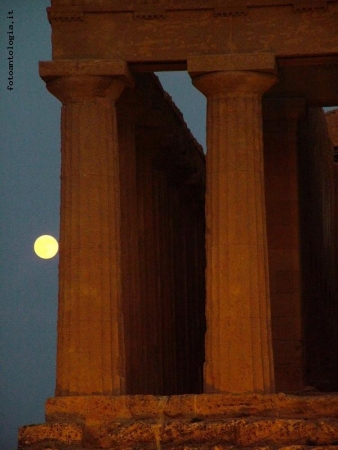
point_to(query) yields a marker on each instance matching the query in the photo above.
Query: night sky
(29, 205)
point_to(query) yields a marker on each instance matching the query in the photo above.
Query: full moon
(46, 246)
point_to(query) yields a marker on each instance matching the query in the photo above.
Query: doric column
(281, 120)
(127, 112)
(90, 355)
(238, 337)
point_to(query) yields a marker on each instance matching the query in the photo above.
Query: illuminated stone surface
(66, 434)
(238, 337)
(90, 344)
(187, 422)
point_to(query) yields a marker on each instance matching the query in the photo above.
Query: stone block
(94, 410)
(250, 432)
(59, 433)
(113, 67)
(181, 405)
(122, 435)
(281, 431)
(188, 422)
(87, 409)
(246, 433)
(228, 405)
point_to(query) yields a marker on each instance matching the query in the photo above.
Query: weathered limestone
(165, 34)
(238, 338)
(92, 410)
(213, 422)
(90, 355)
(65, 434)
(281, 119)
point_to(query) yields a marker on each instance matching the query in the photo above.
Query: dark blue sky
(29, 205)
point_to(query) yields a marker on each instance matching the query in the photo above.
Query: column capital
(254, 62)
(233, 74)
(234, 83)
(76, 81)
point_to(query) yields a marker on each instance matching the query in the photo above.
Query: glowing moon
(46, 246)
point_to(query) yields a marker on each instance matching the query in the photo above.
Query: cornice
(158, 9)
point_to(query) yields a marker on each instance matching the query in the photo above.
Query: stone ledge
(187, 422)
(231, 447)
(63, 433)
(69, 67)
(178, 434)
(261, 62)
(232, 432)
(98, 409)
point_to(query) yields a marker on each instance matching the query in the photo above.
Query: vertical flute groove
(238, 337)
(90, 322)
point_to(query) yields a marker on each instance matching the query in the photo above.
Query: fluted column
(238, 337)
(130, 263)
(281, 118)
(90, 354)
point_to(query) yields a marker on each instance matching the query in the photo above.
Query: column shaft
(130, 256)
(238, 338)
(90, 320)
(90, 349)
(281, 117)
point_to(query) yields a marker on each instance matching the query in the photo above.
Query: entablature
(65, 10)
(162, 35)
(165, 31)
(229, 7)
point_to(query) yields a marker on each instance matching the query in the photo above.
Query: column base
(204, 422)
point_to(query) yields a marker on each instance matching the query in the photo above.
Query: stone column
(238, 337)
(133, 307)
(281, 118)
(90, 354)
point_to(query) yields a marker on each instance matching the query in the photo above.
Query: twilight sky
(29, 206)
